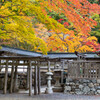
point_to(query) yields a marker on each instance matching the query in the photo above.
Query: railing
(84, 69)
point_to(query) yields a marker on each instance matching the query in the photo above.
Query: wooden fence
(84, 69)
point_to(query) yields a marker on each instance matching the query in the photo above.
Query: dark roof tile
(51, 55)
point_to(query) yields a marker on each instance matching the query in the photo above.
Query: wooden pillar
(0, 66)
(27, 84)
(15, 79)
(6, 77)
(12, 76)
(62, 72)
(39, 80)
(99, 71)
(49, 66)
(35, 81)
(30, 78)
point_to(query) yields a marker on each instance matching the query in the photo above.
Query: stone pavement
(54, 96)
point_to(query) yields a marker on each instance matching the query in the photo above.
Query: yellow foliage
(15, 26)
(92, 38)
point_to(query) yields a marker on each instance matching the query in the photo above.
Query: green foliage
(96, 30)
(94, 1)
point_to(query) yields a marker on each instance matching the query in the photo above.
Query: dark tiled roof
(70, 55)
(20, 51)
(51, 55)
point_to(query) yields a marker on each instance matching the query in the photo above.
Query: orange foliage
(78, 13)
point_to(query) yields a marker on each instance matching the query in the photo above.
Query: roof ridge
(21, 49)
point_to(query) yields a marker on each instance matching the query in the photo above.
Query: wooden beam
(11, 64)
(6, 78)
(35, 81)
(25, 64)
(19, 64)
(39, 80)
(39, 58)
(12, 76)
(30, 78)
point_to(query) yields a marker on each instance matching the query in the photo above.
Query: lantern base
(49, 91)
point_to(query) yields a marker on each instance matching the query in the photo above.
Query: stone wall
(82, 86)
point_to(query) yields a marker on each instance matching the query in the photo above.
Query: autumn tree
(16, 24)
(78, 21)
(70, 22)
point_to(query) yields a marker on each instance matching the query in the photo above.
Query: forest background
(50, 25)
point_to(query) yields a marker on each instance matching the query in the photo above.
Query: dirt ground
(54, 96)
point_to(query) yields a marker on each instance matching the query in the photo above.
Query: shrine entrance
(29, 78)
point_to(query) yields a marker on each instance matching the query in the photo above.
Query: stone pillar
(49, 74)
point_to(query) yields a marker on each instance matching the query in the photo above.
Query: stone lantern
(57, 76)
(49, 74)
